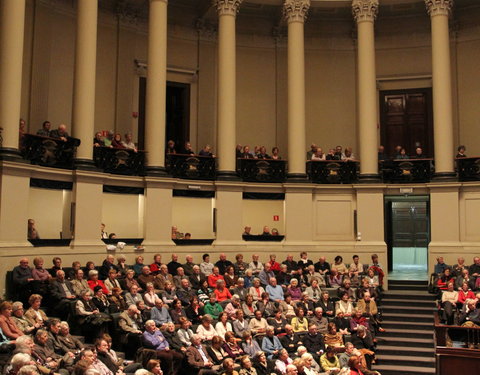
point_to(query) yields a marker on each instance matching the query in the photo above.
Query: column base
(11, 154)
(444, 177)
(369, 178)
(156, 171)
(227, 176)
(299, 178)
(85, 165)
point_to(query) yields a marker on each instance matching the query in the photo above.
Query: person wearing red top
(222, 293)
(355, 366)
(93, 282)
(464, 293)
(275, 266)
(155, 266)
(444, 279)
(214, 277)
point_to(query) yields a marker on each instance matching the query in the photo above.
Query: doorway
(406, 118)
(407, 232)
(177, 127)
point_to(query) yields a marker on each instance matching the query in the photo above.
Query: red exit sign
(276, 218)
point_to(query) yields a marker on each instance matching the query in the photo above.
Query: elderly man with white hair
(198, 358)
(130, 323)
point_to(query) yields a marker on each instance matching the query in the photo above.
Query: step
(408, 288)
(408, 302)
(413, 333)
(408, 282)
(387, 324)
(409, 360)
(404, 370)
(412, 342)
(411, 308)
(405, 351)
(412, 294)
(394, 316)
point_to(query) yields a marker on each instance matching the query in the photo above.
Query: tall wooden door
(407, 120)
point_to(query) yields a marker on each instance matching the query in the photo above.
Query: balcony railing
(262, 170)
(50, 152)
(406, 170)
(191, 167)
(119, 161)
(332, 171)
(468, 169)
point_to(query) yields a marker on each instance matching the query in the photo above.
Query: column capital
(296, 10)
(439, 7)
(227, 7)
(365, 10)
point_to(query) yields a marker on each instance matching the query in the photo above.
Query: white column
(295, 12)
(155, 105)
(439, 11)
(83, 116)
(365, 12)
(12, 22)
(226, 103)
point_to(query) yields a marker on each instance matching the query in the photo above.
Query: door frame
(388, 200)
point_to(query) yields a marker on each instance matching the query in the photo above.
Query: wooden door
(407, 120)
(410, 224)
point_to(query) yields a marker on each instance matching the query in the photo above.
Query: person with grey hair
(20, 320)
(255, 265)
(61, 294)
(68, 341)
(197, 278)
(18, 361)
(283, 361)
(240, 289)
(256, 290)
(46, 356)
(198, 359)
(28, 370)
(270, 343)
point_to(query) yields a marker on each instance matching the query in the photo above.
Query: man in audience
(322, 266)
(223, 264)
(265, 274)
(57, 265)
(381, 153)
(45, 130)
(291, 264)
(266, 231)
(128, 143)
(313, 341)
(258, 325)
(62, 294)
(319, 320)
(246, 231)
(474, 269)
(290, 341)
(188, 266)
(99, 140)
(255, 265)
(32, 232)
(177, 279)
(22, 278)
(160, 314)
(214, 277)
(108, 264)
(60, 133)
(197, 278)
(313, 148)
(145, 277)
(173, 265)
(185, 292)
(440, 267)
(198, 358)
(274, 291)
(155, 266)
(162, 277)
(130, 323)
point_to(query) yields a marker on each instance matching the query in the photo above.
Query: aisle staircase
(406, 348)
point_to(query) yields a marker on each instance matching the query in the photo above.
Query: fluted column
(12, 22)
(365, 12)
(295, 12)
(226, 103)
(83, 116)
(439, 11)
(155, 105)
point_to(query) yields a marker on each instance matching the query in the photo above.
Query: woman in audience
(213, 308)
(278, 322)
(358, 320)
(332, 337)
(256, 290)
(313, 291)
(449, 301)
(288, 307)
(7, 324)
(294, 290)
(117, 301)
(232, 347)
(194, 310)
(307, 305)
(339, 266)
(334, 278)
(138, 266)
(342, 323)
(150, 297)
(366, 288)
(223, 324)
(117, 141)
(463, 294)
(249, 345)
(206, 267)
(246, 366)
(216, 351)
(248, 278)
(204, 292)
(184, 333)
(177, 311)
(240, 324)
(249, 307)
(130, 280)
(266, 306)
(79, 284)
(263, 365)
(445, 279)
(38, 272)
(169, 293)
(205, 330)
(275, 153)
(344, 305)
(329, 361)
(35, 315)
(299, 322)
(153, 366)
(88, 267)
(327, 305)
(20, 321)
(230, 278)
(111, 281)
(222, 293)
(122, 266)
(100, 300)
(91, 321)
(93, 281)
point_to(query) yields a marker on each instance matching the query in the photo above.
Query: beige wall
(193, 215)
(258, 213)
(123, 214)
(46, 207)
